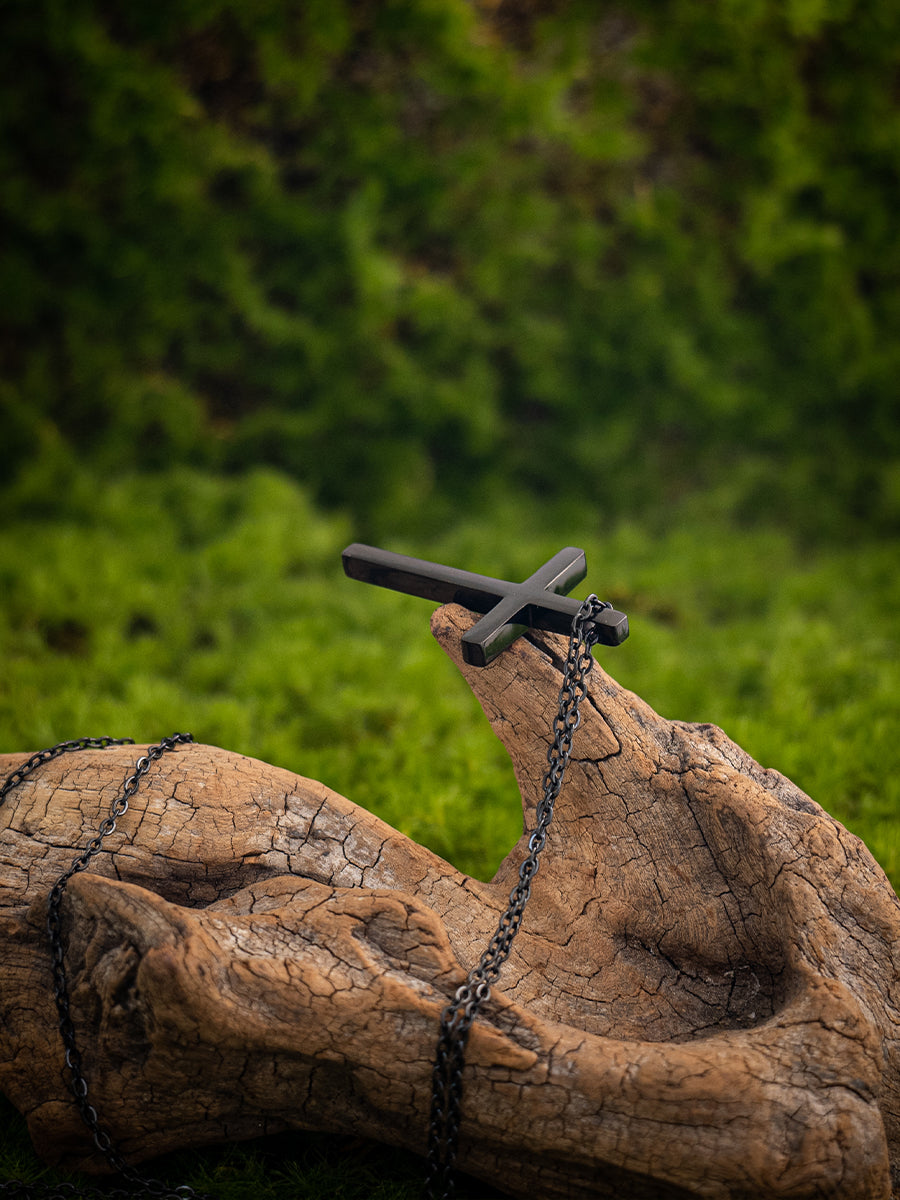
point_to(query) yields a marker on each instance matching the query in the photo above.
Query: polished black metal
(457, 1017)
(138, 1185)
(511, 609)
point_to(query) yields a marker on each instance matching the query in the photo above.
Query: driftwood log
(703, 1000)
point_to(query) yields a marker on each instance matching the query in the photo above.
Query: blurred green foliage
(421, 252)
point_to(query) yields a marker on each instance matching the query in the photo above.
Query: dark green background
(421, 253)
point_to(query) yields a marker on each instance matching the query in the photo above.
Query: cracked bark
(703, 1000)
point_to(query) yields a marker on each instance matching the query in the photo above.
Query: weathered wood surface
(703, 1000)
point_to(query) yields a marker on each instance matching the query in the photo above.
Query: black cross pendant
(510, 608)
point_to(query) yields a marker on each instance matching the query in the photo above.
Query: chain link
(140, 1185)
(457, 1017)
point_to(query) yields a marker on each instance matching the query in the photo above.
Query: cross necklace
(509, 610)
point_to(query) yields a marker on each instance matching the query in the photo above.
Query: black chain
(140, 1185)
(43, 756)
(457, 1017)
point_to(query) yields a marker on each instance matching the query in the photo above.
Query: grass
(302, 1166)
(185, 602)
